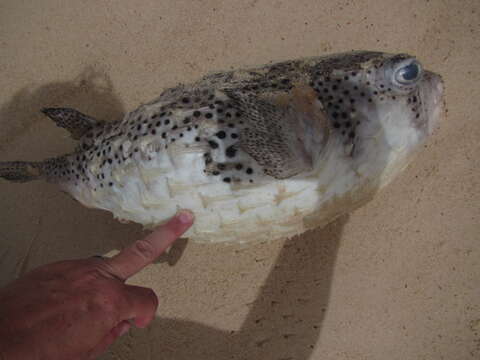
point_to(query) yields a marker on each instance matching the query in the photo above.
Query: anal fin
(72, 120)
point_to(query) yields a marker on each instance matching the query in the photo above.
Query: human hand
(75, 309)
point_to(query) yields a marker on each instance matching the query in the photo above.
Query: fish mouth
(431, 93)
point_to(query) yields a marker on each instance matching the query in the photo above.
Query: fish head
(379, 105)
(403, 99)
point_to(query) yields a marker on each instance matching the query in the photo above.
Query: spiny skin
(249, 155)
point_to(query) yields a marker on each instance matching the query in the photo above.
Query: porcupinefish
(256, 154)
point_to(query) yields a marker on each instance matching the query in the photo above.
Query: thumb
(109, 339)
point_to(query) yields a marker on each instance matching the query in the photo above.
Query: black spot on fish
(221, 134)
(230, 151)
(213, 144)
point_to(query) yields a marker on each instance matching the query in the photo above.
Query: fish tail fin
(21, 171)
(54, 170)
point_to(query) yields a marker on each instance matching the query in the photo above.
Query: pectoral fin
(284, 133)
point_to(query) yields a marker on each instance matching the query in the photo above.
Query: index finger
(143, 252)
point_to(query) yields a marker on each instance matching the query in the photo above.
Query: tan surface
(399, 279)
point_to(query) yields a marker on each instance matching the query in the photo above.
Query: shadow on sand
(90, 92)
(283, 323)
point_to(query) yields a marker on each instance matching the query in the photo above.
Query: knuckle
(108, 306)
(104, 269)
(145, 249)
(144, 296)
(106, 301)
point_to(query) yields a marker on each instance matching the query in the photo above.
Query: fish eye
(408, 73)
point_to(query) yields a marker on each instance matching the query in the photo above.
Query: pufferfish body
(257, 154)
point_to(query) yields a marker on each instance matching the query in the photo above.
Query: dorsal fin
(285, 132)
(72, 120)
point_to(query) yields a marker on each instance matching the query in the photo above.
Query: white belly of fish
(150, 192)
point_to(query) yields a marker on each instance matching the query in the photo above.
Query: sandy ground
(398, 279)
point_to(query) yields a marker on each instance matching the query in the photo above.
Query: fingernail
(124, 329)
(185, 216)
